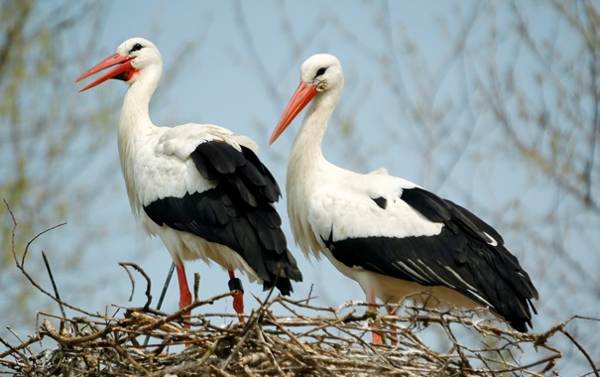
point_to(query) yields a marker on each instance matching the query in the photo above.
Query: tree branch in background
(20, 264)
(13, 34)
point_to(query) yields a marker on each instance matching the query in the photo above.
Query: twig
(196, 285)
(131, 280)
(23, 345)
(254, 319)
(583, 351)
(148, 282)
(548, 359)
(14, 350)
(20, 265)
(58, 299)
(163, 292)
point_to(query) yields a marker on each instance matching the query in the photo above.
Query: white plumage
(342, 194)
(388, 234)
(199, 187)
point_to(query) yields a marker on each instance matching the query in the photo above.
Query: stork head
(320, 74)
(132, 58)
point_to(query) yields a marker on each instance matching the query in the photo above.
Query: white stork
(396, 239)
(199, 187)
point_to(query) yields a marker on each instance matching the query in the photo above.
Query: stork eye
(321, 71)
(136, 47)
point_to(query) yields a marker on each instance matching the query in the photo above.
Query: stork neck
(135, 112)
(307, 145)
(135, 125)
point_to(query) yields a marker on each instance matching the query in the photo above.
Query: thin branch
(54, 287)
(583, 351)
(165, 287)
(146, 277)
(20, 265)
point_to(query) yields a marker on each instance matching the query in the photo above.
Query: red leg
(185, 297)
(371, 301)
(391, 309)
(235, 285)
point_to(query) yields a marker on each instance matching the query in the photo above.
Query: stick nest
(311, 341)
(282, 337)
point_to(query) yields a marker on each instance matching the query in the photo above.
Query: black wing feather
(486, 273)
(237, 213)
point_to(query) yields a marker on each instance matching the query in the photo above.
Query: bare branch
(148, 282)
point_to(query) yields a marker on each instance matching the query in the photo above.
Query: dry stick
(583, 351)
(14, 350)
(13, 364)
(309, 296)
(19, 339)
(267, 350)
(181, 312)
(288, 333)
(135, 364)
(247, 329)
(35, 238)
(131, 280)
(29, 342)
(514, 367)
(249, 372)
(58, 299)
(148, 282)
(367, 346)
(20, 265)
(264, 345)
(219, 371)
(195, 365)
(74, 341)
(587, 318)
(458, 346)
(163, 293)
(522, 367)
(196, 285)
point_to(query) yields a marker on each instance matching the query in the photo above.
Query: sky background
(236, 64)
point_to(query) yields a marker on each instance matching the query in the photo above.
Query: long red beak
(123, 64)
(302, 96)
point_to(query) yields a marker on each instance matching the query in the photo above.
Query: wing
(464, 254)
(236, 207)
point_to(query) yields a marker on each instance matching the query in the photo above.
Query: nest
(282, 337)
(311, 340)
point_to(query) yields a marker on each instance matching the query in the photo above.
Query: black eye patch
(321, 71)
(136, 47)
